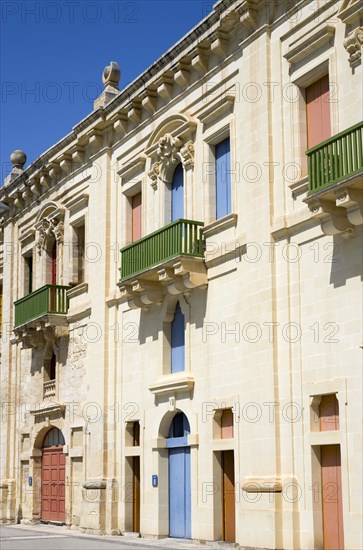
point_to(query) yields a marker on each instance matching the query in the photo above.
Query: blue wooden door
(177, 194)
(179, 493)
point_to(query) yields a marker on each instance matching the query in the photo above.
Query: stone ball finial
(111, 75)
(18, 158)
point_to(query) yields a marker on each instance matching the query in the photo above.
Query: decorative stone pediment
(350, 10)
(170, 144)
(48, 410)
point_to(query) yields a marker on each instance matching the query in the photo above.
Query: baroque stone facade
(226, 334)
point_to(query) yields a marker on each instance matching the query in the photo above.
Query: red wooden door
(318, 112)
(332, 498)
(136, 217)
(229, 522)
(53, 484)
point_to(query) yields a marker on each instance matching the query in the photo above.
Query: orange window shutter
(318, 112)
(136, 217)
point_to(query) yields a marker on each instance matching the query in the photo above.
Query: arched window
(177, 194)
(179, 426)
(177, 341)
(54, 438)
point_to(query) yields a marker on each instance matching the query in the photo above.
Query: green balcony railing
(335, 159)
(49, 299)
(179, 238)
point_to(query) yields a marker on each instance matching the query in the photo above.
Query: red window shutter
(136, 217)
(54, 264)
(329, 413)
(318, 112)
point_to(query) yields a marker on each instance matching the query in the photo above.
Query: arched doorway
(177, 194)
(179, 478)
(53, 477)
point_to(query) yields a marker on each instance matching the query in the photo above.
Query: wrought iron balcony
(335, 181)
(45, 309)
(336, 159)
(170, 259)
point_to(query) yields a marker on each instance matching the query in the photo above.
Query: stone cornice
(350, 10)
(174, 58)
(165, 79)
(310, 42)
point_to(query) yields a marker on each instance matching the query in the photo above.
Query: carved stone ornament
(187, 154)
(154, 174)
(95, 484)
(168, 155)
(171, 150)
(47, 229)
(58, 230)
(353, 44)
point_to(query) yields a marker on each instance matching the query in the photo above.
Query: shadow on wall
(151, 324)
(41, 356)
(346, 258)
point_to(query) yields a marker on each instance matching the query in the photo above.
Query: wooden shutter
(54, 264)
(136, 217)
(177, 194)
(177, 341)
(318, 112)
(223, 178)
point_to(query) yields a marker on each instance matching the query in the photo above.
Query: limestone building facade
(181, 279)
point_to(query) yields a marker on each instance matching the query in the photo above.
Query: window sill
(219, 225)
(299, 187)
(171, 383)
(77, 290)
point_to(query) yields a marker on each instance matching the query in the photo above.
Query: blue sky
(53, 54)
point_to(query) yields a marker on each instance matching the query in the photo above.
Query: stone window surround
(133, 180)
(171, 383)
(211, 139)
(311, 395)
(77, 215)
(303, 77)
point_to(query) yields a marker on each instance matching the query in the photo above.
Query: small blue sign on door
(30, 481)
(154, 480)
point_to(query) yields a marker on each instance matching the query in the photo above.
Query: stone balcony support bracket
(175, 278)
(333, 219)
